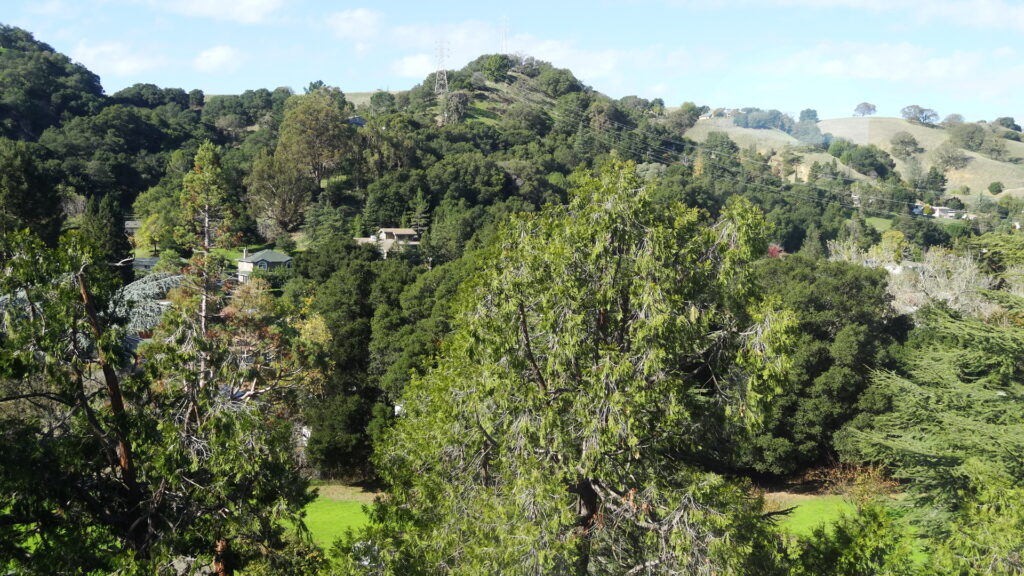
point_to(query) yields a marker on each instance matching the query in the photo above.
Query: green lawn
(337, 508)
(880, 224)
(813, 511)
(328, 519)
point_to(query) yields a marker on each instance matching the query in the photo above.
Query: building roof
(147, 262)
(268, 256)
(402, 231)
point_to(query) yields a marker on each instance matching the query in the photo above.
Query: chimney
(245, 253)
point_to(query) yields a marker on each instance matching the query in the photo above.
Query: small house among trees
(390, 239)
(262, 260)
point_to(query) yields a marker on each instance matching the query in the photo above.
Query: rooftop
(266, 255)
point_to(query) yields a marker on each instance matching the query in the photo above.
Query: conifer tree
(551, 438)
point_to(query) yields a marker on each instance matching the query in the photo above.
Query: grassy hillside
(879, 131)
(977, 175)
(765, 141)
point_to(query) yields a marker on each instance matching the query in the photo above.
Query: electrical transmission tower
(441, 80)
(504, 35)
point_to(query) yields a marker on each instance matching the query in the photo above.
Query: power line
(625, 127)
(525, 92)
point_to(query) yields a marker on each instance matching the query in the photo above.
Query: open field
(812, 510)
(337, 508)
(879, 223)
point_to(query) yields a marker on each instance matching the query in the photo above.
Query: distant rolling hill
(977, 175)
(765, 141)
(879, 131)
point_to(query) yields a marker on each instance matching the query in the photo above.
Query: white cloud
(414, 66)
(463, 41)
(979, 13)
(217, 60)
(1004, 52)
(244, 11)
(114, 59)
(356, 24)
(903, 62)
(993, 14)
(53, 9)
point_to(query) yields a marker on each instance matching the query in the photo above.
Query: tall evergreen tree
(550, 436)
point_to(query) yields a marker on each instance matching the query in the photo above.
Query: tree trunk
(222, 559)
(587, 507)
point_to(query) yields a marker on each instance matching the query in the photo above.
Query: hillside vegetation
(563, 333)
(977, 175)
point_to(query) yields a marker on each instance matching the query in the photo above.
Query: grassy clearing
(328, 519)
(337, 508)
(811, 510)
(880, 224)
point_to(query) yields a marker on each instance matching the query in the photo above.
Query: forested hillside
(609, 329)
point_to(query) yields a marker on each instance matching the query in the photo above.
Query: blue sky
(962, 56)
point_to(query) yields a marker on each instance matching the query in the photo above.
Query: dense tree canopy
(553, 429)
(601, 317)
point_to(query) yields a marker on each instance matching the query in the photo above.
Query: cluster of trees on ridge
(600, 341)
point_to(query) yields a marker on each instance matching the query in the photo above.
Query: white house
(262, 260)
(390, 239)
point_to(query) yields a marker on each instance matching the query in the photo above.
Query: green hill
(976, 175)
(879, 131)
(765, 141)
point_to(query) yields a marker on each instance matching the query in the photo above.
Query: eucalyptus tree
(315, 133)
(553, 435)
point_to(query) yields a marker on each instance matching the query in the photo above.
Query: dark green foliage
(382, 103)
(682, 119)
(557, 82)
(921, 231)
(338, 444)
(390, 198)
(1008, 123)
(846, 331)
(40, 87)
(103, 225)
(869, 160)
(953, 418)
(764, 120)
(995, 188)
(150, 96)
(497, 67)
(869, 542)
(115, 470)
(473, 178)
(120, 151)
(28, 192)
